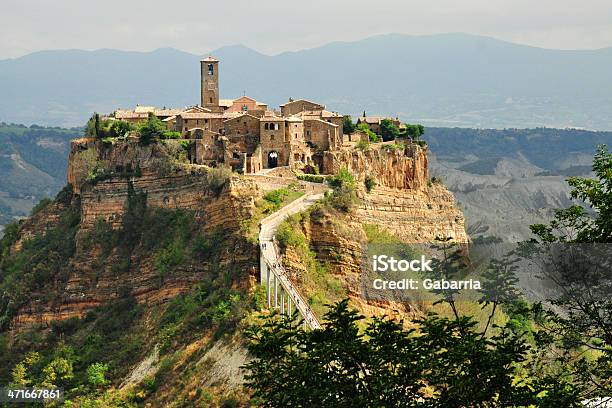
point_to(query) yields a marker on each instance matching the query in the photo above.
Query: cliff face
(97, 274)
(404, 200)
(397, 169)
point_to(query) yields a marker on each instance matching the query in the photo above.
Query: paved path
(272, 271)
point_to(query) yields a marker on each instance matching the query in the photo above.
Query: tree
(92, 129)
(443, 363)
(388, 130)
(363, 127)
(96, 374)
(151, 130)
(348, 126)
(413, 131)
(570, 254)
(119, 128)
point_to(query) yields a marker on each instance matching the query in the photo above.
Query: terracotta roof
(319, 120)
(371, 119)
(144, 109)
(293, 119)
(196, 108)
(125, 114)
(200, 115)
(301, 100)
(226, 102)
(210, 59)
(240, 116)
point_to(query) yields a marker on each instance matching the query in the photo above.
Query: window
(210, 100)
(211, 69)
(205, 120)
(266, 126)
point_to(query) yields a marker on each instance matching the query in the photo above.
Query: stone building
(246, 134)
(374, 122)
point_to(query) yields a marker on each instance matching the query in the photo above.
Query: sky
(274, 26)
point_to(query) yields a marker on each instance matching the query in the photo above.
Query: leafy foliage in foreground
(443, 363)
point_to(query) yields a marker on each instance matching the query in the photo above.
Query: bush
(363, 145)
(171, 135)
(311, 178)
(277, 197)
(370, 183)
(96, 374)
(120, 128)
(394, 147)
(344, 179)
(388, 130)
(152, 130)
(373, 137)
(348, 126)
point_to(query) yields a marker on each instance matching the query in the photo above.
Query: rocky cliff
(404, 200)
(97, 274)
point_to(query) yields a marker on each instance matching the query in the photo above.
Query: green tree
(413, 131)
(119, 128)
(363, 127)
(442, 363)
(388, 130)
(151, 130)
(96, 373)
(348, 126)
(571, 254)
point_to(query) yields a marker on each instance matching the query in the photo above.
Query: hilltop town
(246, 134)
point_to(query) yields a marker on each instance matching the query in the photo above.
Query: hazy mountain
(33, 165)
(452, 79)
(505, 180)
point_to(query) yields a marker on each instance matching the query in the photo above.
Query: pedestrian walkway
(281, 292)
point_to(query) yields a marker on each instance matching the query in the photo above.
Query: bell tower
(209, 75)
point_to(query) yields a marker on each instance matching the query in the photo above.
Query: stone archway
(272, 159)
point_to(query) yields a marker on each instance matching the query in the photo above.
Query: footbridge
(282, 294)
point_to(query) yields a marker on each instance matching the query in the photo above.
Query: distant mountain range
(440, 80)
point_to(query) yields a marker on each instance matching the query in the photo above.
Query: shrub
(388, 130)
(120, 128)
(363, 145)
(343, 197)
(344, 179)
(370, 183)
(394, 147)
(171, 135)
(371, 135)
(311, 178)
(276, 197)
(152, 130)
(348, 126)
(96, 374)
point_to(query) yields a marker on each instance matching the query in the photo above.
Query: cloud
(273, 26)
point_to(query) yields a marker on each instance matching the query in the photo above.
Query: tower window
(211, 69)
(266, 127)
(210, 100)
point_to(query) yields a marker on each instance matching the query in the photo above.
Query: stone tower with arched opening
(210, 83)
